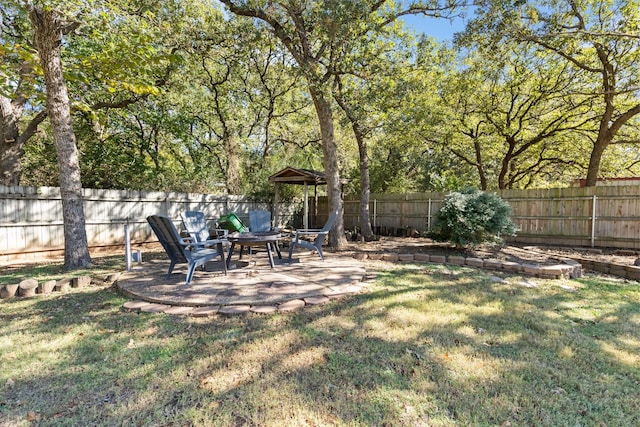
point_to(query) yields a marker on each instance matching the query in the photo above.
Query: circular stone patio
(250, 285)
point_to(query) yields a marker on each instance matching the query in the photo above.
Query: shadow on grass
(425, 346)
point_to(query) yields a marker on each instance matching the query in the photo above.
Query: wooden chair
(181, 252)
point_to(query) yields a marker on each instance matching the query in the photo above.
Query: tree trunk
(593, 169)
(480, 164)
(365, 186)
(12, 140)
(232, 174)
(330, 161)
(10, 145)
(48, 38)
(365, 193)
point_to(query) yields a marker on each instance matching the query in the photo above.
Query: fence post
(127, 245)
(429, 216)
(375, 212)
(593, 221)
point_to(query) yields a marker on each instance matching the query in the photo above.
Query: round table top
(254, 237)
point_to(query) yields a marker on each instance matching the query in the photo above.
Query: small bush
(472, 217)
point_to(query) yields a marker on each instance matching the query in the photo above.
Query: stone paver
(264, 309)
(234, 309)
(242, 289)
(205, 311)
(291, 305)
(316, 300)
(176, 309)
(154, 308)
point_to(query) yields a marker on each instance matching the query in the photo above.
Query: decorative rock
(336, 295)
(390, 257)
(316, 300)
(231, 310)
(134, 305)
(602, 267)
(512, 267)
(46, 287)
(405, 257)
(63, 285)
(421, 257)
(551, 271)
(80, 282)
(264, 309)
(205, 311)
(456, 260)
(375, 257)
(637, 262)
(8, 291)
(493, 264)
(618, 270)
(177, 309)
(441, 259)
(27, 288)
(576, 272)
(586, 263)
(474, 262)
(292, 305)
(360, 256)
(154, 308)
(531, 269)
(633, 272)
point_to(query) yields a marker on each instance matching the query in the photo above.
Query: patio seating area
(250, 284)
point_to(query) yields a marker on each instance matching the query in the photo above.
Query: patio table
(267, 238)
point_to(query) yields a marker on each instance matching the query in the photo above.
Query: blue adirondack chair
(316, 244)
(195, 224)
(182, 252)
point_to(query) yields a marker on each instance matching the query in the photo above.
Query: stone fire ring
(252, 286)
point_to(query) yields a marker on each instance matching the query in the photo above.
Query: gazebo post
(315, 204)
(276, 205)
(306, 205)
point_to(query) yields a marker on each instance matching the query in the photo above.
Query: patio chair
(260, 221)
(196, 225)
(181, 252)
(320, 234)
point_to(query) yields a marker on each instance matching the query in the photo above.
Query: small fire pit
(267, 238)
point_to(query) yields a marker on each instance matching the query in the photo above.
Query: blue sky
(438, 28)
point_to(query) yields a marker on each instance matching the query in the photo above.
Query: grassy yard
(427, 345)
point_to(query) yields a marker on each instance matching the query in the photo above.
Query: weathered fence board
(558, 216)
(31, 218)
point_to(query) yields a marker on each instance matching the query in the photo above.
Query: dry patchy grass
(425, 346)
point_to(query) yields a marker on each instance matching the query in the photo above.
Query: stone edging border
(569, 268)
(231, 310)
(30, 287)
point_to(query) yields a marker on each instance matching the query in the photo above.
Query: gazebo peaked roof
(291, 175)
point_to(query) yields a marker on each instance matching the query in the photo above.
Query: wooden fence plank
(31, 217)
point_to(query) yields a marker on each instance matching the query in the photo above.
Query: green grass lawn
(426, 345)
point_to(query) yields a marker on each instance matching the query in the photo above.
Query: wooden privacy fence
(31, 217)
(588, 216)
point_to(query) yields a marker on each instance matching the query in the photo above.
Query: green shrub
(472, 217)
